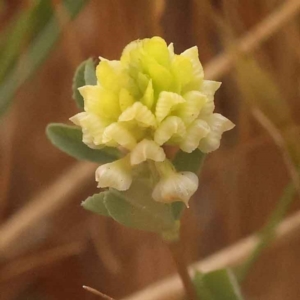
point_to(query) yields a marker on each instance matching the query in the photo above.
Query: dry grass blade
(97, 293)
(280, 142)
(252, 40)
(39, 260)
(41, 207)
(171, 288)
(104, 251)
(6, 161)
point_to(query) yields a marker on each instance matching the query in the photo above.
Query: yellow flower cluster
(149, 98)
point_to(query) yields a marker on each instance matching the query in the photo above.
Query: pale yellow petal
(125, 99)
(176, 187)
(171, 50)
(139, 113)
(209, 88)
(101, 102)
(161, 76)
(92, 128)
(198, 130)
(148, 97)
(115, 175)
(182, 69)
(101, 58)
(190, 110)
(142, 81)
(88, 139)
(146, 149)
(130, 49)
(198, 73)
(172, 129)
(117, 134)
(157, 48)
(111, 75)
(166, 103)
(218, 124)
(92, 97)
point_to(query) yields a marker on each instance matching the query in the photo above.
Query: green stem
(177, 254)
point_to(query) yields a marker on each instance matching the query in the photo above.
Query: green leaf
(90, 72)
(217, 285)
(135, 208)
(96, 204)
(69, 140)
(79, 81)
(85, 74)
(191, 162)
(34, 55)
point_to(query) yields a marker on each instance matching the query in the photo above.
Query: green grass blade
(22, 30)
(35, 55)
(267, 234)
(220, 284)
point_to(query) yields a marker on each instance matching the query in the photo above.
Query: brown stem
(177, 254)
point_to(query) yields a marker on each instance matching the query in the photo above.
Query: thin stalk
(97, 293)
(177, 254)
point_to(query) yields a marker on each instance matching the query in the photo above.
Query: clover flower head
(148, 99)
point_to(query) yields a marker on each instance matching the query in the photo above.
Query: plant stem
(177, 254)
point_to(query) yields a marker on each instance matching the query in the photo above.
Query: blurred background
(50, 246)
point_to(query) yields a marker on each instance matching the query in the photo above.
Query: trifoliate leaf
(135, 208)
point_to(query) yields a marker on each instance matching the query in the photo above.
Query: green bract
(149, 98)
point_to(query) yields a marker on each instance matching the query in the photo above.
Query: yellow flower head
(149, 98)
